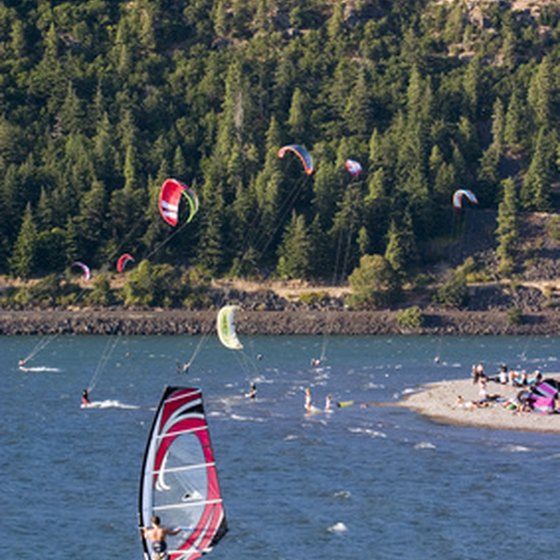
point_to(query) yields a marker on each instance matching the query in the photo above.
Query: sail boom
(183, 469)
(186, 505)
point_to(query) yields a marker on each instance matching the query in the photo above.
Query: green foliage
(454, 292)
(514, 316)
(373, 283)
(152, 285)
(553, 228)
(101, 293)
(410, 318)
(104, 100)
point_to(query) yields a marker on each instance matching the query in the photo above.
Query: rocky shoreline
(90, 321)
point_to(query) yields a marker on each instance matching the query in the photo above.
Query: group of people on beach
(536, 394)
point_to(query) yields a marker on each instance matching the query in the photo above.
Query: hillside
(103, 101)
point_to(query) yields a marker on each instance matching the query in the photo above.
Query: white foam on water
(110, 404)
(516, 449)
(424, 445)
(368, 432)
(338, 528)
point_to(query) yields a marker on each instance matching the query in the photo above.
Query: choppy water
(368, 483)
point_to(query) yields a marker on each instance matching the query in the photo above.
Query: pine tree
(514, 129)
(22, 260)
(294, 254)
(508, 229)
(540, 93)
(536, 187)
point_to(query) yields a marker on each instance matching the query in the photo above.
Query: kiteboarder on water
(85, 397)
(183, 368)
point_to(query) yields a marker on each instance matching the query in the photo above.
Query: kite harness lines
(179, 481)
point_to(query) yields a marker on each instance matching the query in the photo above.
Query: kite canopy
(458, 198)
(124, 259)
(225, 325)
(353, 167)
(170, 197)
(85, 269)
(302, 153)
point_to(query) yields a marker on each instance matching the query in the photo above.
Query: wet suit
(159, 550)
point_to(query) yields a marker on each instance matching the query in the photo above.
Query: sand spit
(438, 402)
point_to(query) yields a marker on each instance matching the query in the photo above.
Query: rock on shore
(293, 321)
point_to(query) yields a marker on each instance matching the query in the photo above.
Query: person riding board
(155, 535)
(85, 397)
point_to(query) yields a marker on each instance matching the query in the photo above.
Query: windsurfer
(85, 397)
(156, 536)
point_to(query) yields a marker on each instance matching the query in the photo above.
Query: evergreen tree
(536, 187)
(294, 254)
(513, 129)
(22, 260)
(508, 229)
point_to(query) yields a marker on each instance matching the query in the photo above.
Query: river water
(376, 482)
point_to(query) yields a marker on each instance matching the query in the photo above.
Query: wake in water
(109, 404)
(38, 369)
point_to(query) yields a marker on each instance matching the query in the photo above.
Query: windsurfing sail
(179, 482)
(225, 325)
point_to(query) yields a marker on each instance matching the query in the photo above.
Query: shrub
(374, 282)
(514, 316)
(410, 318)
(453, 293)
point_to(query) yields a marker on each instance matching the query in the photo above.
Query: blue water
(366, 483)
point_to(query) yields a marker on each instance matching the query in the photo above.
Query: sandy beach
(438, 402)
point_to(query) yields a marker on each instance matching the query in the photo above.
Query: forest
(102, 100)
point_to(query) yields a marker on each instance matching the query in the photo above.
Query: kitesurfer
(155, 535)
(328, 403)
(183, 368)
(85, 397)
(252, 391)
(308, 401)
(21, 365)
(315, 362)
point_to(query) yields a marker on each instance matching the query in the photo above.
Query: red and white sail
(179, 481)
